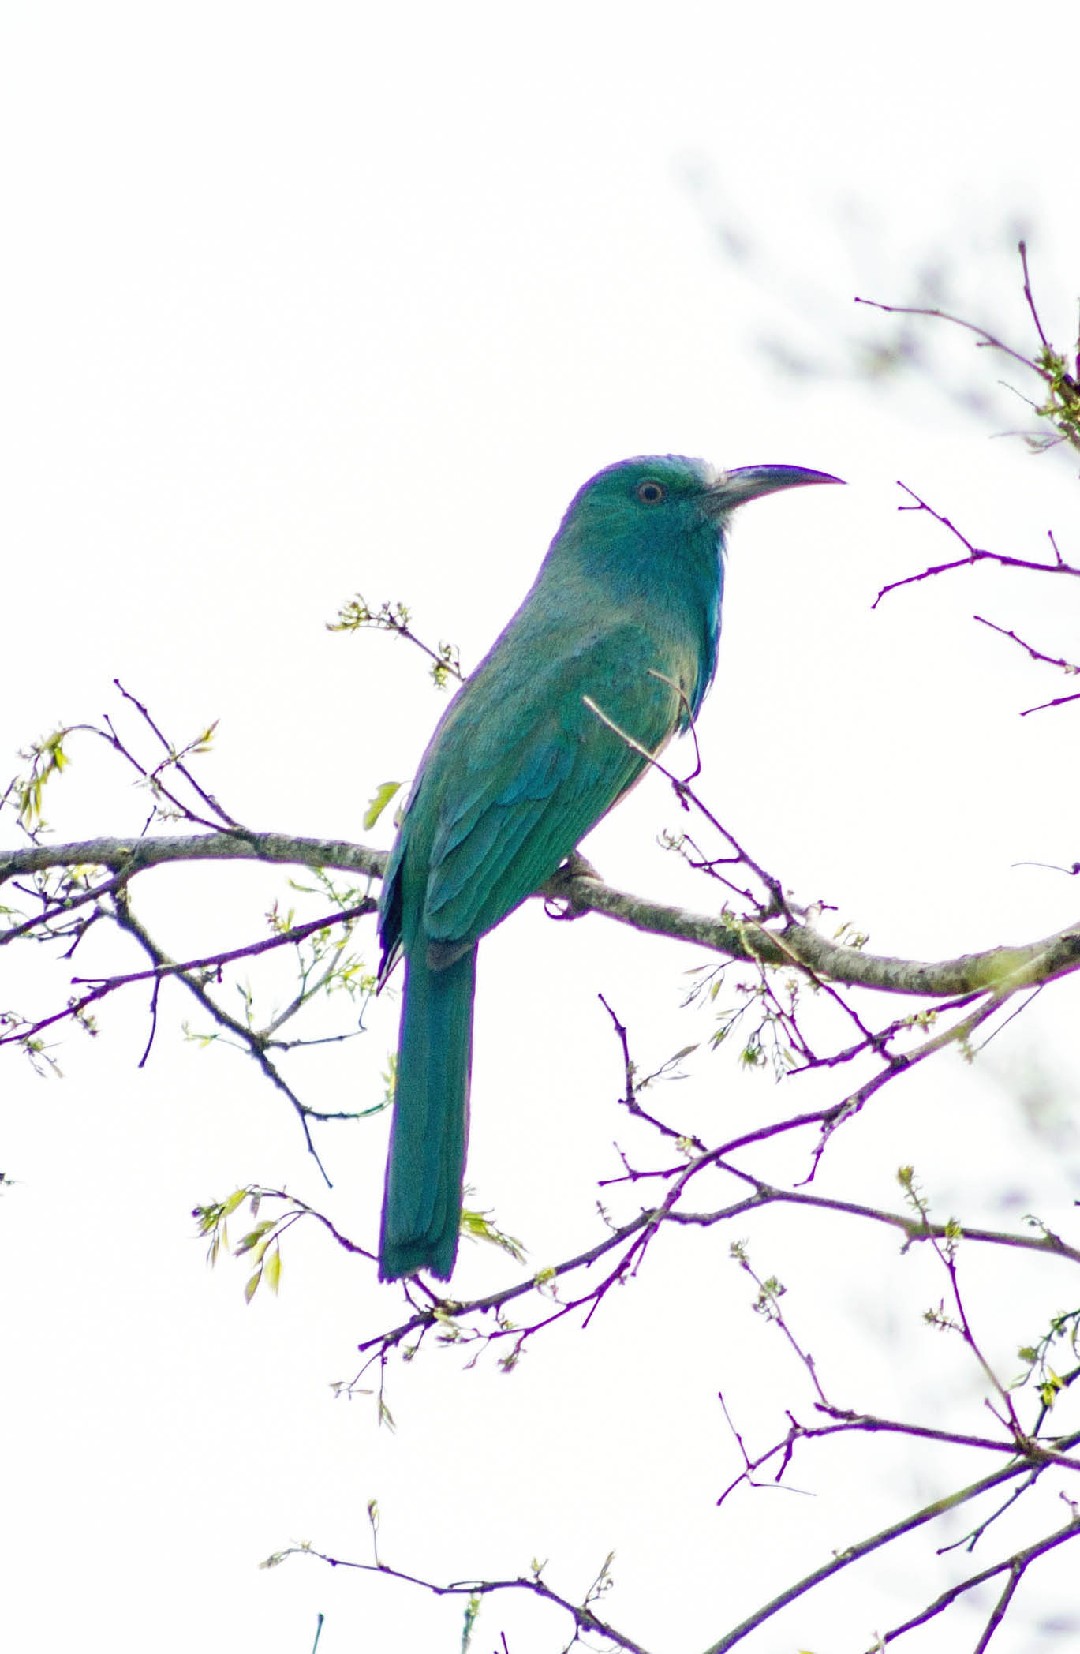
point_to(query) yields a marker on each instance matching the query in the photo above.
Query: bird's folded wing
(532, 773)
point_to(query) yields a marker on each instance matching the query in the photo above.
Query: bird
(610, 654)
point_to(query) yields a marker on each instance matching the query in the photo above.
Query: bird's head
(684, 493)
(640, 520)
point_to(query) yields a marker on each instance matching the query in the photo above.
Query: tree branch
(855, 1553)
(134, 855)
(793, 944)
(581, 1613)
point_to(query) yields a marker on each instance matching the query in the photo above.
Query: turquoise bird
(619, 629)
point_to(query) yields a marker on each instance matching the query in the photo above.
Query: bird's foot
(558, 892)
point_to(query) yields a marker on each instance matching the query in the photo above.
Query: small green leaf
(256, 1240)
(378, 804)
(479, 1226)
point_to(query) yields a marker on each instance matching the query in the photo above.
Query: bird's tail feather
(421, 1216)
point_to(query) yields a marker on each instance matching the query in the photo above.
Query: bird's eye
(651, 492)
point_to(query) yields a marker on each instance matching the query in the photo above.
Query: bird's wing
(521, 777)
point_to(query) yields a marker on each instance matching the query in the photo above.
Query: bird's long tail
(421, 1216)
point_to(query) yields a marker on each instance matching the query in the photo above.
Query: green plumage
(620, 629)
(422, 1206)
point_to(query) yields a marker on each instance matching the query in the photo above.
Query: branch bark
(1002, 969)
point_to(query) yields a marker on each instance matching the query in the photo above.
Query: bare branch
(865, 1547)
(1029, 648)
(1015, 1566)
(983, 337)
(973, 554)
(250, 950)
(127, 921)
(585, 1620)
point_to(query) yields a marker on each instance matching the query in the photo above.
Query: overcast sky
(301, 301)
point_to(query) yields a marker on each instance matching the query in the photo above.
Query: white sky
(301, 301)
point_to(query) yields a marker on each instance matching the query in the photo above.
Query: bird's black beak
(751, 482)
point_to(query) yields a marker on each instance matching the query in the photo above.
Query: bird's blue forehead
(678, 472)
